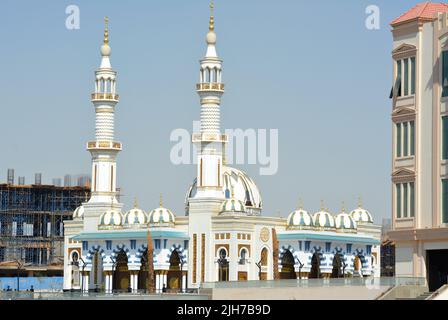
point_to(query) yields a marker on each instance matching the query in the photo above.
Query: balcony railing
(106, 145)
(210, 86)
(209, 137)
(105, 96)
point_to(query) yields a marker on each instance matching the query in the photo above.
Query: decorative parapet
(105, 97)
(210, 87)
(209, 137)
(104, 145)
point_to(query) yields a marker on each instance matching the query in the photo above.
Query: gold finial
(322, 205)
(212, 18)
(161, 201)
(135, 202)
(233, 193)
(359, 202)
(106, 30)
(343, 206)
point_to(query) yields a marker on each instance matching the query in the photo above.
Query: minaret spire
(104, 148)
(210, 141)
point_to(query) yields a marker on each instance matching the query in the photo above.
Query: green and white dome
(323, 220)
(135, 216)
(345, 223)
(300, 219)
(78, 213)
(361, 216)
(111, 218)
(161, 217)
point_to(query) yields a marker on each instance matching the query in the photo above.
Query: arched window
(243, 256)
(264, 257)
(222, 253)
(75, 258)
(223, 272)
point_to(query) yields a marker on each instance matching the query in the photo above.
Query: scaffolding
(31, 222)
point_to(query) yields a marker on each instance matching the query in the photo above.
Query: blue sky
(310, 69)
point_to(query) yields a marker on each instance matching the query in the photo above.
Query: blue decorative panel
(108, 245)
(327, 246)
(349, 247)
(165, 241)
(307, 245)
(133, 244)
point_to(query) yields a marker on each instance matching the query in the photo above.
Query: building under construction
(31, 228)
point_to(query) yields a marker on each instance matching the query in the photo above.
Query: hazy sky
(310, 69)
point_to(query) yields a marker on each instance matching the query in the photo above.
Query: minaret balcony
(209, 137)
(214, 86)
(105, 97)
(104, 145)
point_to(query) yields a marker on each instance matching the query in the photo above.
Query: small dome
(232, 206)
(111, 218)
(135, 216)
(345, 223)
(361, 216)
(300, 219)
(323, 220)
(79, 213)
(161, 217)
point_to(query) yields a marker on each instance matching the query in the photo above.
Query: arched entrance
(143, 273)
(75, 269)
(357, 267)
(223, 272)
(263, 264)
(174, 276)
(288, 263)
(121, 274)
(315, 266)
(337, 266)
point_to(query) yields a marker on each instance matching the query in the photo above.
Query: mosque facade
(222, 236)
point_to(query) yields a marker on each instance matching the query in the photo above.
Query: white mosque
(222, 236)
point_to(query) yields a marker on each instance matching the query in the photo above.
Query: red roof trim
(424, 11)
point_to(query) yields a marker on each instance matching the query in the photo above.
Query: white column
(106, 283)
(165, 277)
(157, 282)
(184, 282)
(111, 277)
(86, 282)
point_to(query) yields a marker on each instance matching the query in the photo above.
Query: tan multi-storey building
(420, 143)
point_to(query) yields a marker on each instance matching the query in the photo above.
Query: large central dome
(243, 187)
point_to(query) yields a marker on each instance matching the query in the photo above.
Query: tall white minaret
(207, 202)
(104, 148)
(210, 142)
